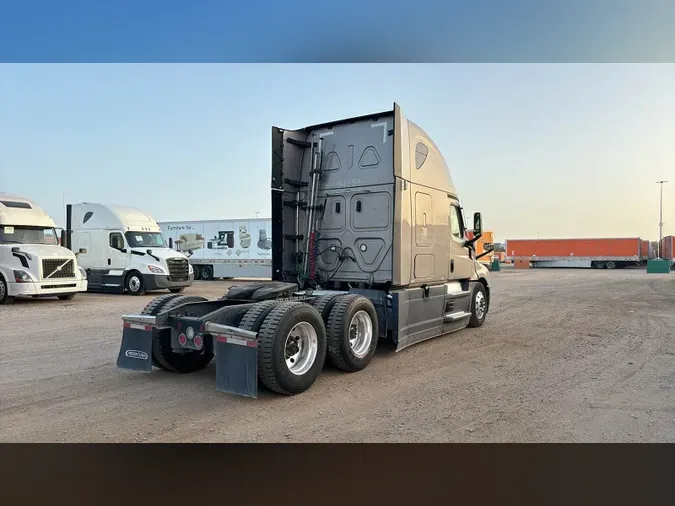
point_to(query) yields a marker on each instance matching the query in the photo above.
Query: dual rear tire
(296, 338)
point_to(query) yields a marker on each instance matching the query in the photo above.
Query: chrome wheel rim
(360, 333)
(480, 305)
(134, 283)
(301, 348)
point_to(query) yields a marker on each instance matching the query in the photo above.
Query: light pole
(661, 219)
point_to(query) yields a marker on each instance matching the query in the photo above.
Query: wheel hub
(481, 305)
(301, 348)
(360, 333)
(134, 283)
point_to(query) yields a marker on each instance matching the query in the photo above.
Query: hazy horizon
(539, 149)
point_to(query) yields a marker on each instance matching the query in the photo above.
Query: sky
(548, 150)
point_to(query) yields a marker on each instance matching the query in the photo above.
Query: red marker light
(198, 341)
(182, 339)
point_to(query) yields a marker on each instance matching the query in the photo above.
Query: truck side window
(116, 240)
(456, 223)
(421, 152)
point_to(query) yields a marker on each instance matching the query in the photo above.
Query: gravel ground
(564, 356)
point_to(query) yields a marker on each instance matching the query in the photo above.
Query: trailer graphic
(229, 250)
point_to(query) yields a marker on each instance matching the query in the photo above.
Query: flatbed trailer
(368, 243)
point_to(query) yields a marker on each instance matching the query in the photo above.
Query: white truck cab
(32, 263)
(125, 250)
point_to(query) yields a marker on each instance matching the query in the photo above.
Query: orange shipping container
(580, 248)
(522, 263)
(487, 239)
(644, 249)
(668, 247)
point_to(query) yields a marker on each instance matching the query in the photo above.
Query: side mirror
(170, 243)
(477, 224)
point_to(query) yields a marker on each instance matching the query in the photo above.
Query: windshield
(13, 234)
(145, 239)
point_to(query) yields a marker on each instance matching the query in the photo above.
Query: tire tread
(334, 333)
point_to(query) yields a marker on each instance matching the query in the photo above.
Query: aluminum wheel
(301, 348)
(360, 333)
(480, 305)
(134, 283)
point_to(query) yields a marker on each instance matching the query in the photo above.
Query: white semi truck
(123, 250)
(368, 243)
(32, 263)
(223, 248)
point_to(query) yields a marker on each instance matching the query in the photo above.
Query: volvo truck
(368, 243)
(224, 248)
(123, 250)
(32, 263)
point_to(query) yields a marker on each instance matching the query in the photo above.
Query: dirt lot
(564, 356)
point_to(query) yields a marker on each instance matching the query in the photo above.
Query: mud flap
(236, 364)
(136, 349)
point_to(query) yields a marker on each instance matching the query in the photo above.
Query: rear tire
(162, 352)
(610, 265)
(153, 308)
(291, 348)
(324, 304)
(134, 284)
(479, 305)
(69, 296)
(205, 273)
(254, 317)
(198, 272)
(352, 332)
(5, 298)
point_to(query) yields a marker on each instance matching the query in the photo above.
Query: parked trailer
(647, 251)
(368, 243)
(579, 253)
(668, 249)
(224, 248)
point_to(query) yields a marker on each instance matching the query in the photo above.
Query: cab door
(118, 254)
(461, 264)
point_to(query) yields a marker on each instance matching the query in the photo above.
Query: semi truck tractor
(123, 250)
(224, 248)
(32, 263)
(368, 242)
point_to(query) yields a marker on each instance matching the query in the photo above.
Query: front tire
(352, 332)
(197, 270)
(69, 296)
(479, 305)
(177, 290)
(5, 298)
(291, 348)
(134, 284)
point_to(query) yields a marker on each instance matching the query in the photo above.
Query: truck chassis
(273, 332)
